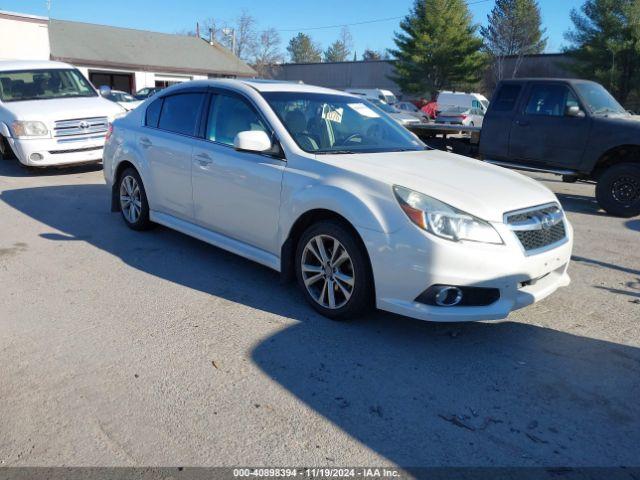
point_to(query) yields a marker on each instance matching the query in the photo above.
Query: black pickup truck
(573, 128)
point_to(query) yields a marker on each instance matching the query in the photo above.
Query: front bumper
(407, 262)
(49, 152)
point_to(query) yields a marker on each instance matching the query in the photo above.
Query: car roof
(257, 85)
(10, 65)
(546, 79)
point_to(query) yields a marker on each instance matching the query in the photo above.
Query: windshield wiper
(336, 152)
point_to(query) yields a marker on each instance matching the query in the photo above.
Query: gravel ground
(124, 348)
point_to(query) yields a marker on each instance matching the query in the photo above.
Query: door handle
(522, 123)
(204, 159)
(145, 142)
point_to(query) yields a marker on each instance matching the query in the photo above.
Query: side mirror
(104, 90)
(252, 141)
(574, 111)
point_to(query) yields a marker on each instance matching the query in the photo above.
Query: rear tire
(333, 271)
(133, 200)
(618, 190)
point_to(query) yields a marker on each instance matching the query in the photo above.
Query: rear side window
(180, 113)
(153, 113)
(506, 98)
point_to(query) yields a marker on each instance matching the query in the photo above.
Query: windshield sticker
(363, 110)
(333, 115)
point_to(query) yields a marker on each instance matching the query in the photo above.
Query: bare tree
(245, 35)
(267, 52)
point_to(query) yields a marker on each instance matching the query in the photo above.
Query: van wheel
(133, 200)
(6, 153)
(333, 271)
(618, 190)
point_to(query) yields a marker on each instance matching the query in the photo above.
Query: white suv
(322, 185)
(51, 115)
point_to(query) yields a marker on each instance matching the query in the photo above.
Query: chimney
(211, 41)
(198, 29)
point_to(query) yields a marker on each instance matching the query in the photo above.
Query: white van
(51, 115)
(386, 96)
(461, 108)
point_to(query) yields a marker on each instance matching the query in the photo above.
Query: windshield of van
(598, 100)
(22, 85)
(322, 124)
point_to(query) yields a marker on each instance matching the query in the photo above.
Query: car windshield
(410, 106)
(125, 97)
(21, 85)
(321, 123)
(598, 100)
(385, 107)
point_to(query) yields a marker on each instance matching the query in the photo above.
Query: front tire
(133, 200)
(618, 190)
(333, 271)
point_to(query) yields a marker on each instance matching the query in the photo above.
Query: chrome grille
(81, 126)
(538, 228)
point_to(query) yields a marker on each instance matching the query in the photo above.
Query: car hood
(483, 190)
(62, 109)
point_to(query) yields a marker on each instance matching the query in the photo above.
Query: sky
(287, 16)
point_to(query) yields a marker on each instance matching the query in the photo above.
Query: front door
(236, 193)
(542, 132)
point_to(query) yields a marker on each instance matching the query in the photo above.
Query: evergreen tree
(605, 42)
(514, 29)
(302, 49)
(371, 55)
(437, 47)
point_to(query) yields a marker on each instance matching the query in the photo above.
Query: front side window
(23, 85)
(180, 113)
(230, 115)
(550, 100)
(321, 123)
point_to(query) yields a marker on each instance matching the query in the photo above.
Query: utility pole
(232, 33)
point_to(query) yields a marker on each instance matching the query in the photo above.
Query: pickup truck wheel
(333, 271)
(5, 150)
(618, 190)
(133, 200)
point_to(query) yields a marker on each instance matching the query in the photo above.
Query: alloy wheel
(327, 271)
(130, 199)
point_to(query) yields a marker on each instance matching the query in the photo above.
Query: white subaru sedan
(321, 185)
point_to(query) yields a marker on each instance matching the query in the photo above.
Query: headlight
(29, 129)
(444, 220)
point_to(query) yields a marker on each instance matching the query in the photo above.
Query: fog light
(35, 157)
(452, 296)
(448, 296)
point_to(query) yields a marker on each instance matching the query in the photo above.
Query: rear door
(496, 124)
(167, 142)
(543, 133)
